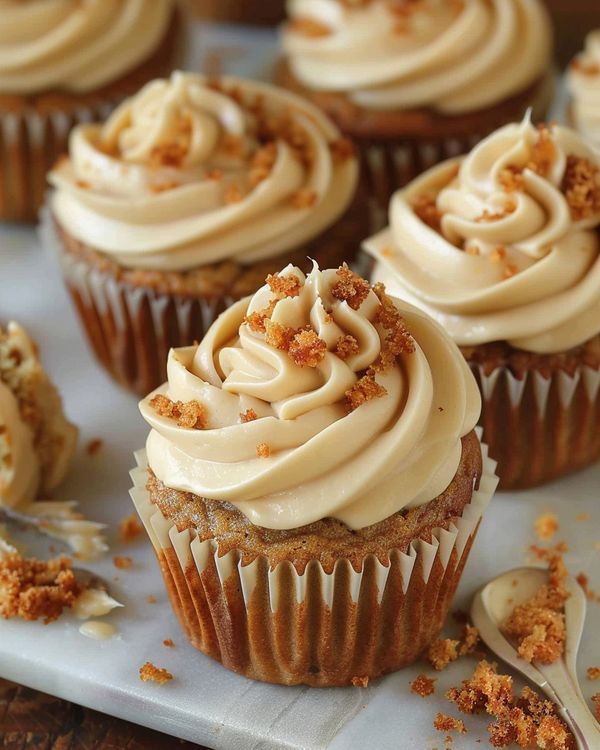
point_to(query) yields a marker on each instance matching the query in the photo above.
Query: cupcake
(36, 439)
(584, 86)
(312, 482)
(62, 63)
(183, 201)
(417, 82)
(502, 248)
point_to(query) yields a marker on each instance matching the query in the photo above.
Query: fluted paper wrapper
(317, 628)
(131, 328)
(539, 428)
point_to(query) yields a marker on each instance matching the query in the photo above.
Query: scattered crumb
(469, 640)
(263, 450)
(94, 446)
(122, 562)
(546, 526)
(581, 187)
(362, 682)
(442, 652)
(593, 673)
(423, 685)
(151, 599)
(590, 594)
(150, 673)
(582, 517)
(168, 643)
(130, 528)
(596, 702)
(445, 723)
(248, 416)
(351, 288)
(191, 415)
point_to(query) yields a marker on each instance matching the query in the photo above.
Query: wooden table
(33, 721)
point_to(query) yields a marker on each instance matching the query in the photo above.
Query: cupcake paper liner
(316, 628)
(539, 428)
(132, 328)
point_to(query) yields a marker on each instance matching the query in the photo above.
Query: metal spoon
(491, 607)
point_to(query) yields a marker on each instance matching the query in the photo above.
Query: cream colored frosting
(529, 275)
(584, 83)
(455, 57)
(24, 471)
(396, 451)
(178, 217)
(76, 46)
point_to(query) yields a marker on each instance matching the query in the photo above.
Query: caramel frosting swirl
(292, 430)
(76, 46)
(454, 57)
(584, 83)
(189, 173)
(502, 244)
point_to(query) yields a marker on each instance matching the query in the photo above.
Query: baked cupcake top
(191, 172)
(74, 46)
(502, 244)
(36, 440)
(454, 56)
(317, 397)
(584, 83)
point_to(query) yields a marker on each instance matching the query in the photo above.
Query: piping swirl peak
(318, 396)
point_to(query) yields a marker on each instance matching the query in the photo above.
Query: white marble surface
(205, 703)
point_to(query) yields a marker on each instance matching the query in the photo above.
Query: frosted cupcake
(65, 62)
(417, 82)
(183, 201)
(584, 85)
(312, 483)
(502, 248)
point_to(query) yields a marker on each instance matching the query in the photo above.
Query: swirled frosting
(290, 437)
(454, 57)
(76, 46)
(36, 440)
(503, 244)
(584, 83)
(186, 174)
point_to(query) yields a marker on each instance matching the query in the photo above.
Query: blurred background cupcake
(66, 62)
(265, 12)
(313, 468)
(584, 87)
(415, 83)
(183, 202)
(502, 247)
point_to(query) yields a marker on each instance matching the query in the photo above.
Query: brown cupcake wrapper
(539, 428)
(313, 628)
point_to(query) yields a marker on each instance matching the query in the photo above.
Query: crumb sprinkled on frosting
(248, 416)
(426, 209)
(351, 288)
(191, 415)
(263, 450)
(581, 186)
(284, 286)
(306, 349)
(346, 346)
(365, 389)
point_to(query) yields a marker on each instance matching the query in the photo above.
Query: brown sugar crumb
(214, 175)
(279, 336)
(257, 321)
(498, 254)
(511, 179)
(231, 144)
(487, 216)
(130, 528)
(304, 198)
(233, 194)
(168, 643)
(263, 450)
(510, 270)
(398, 340)
(593, 673)
(83, 184)
(526, 720)
(543, 153)
(309, 27)
(596, 702)
(191, 415)
(122, 562)
(590, 594)
(150, 673)
(426, 209)
(445, 723)
(94, 446)
(163, 187)
(546, 526)
(346, 346)
(262, 164)
(36, 589)
(342, 149)
(361, 682)
(151, 599)
(469, 640)
(284, 286)
(351, 288)
(365, 389)
(306, 349)
(248, 416)
(581, 187)
(442, 652)
(538, 624)
(423, 685)
(168, 155)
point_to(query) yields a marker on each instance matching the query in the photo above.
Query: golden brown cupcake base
(132, 318)
(344, 628)
(34, 129)
(541, 413)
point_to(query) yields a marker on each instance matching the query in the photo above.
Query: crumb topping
(423, 685)
(351, 288)
(191, 415)
(309, 27)
(581, 186)
(445, 723)
(248, 416)
(365, 389)
(263, 450)
(130, 528)
(346, 346)
(426, 209)
(35, 589)
(284, 286)
(150, 673)
(307, 349)
(511, 179)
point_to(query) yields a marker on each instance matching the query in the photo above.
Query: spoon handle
(575, 711)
